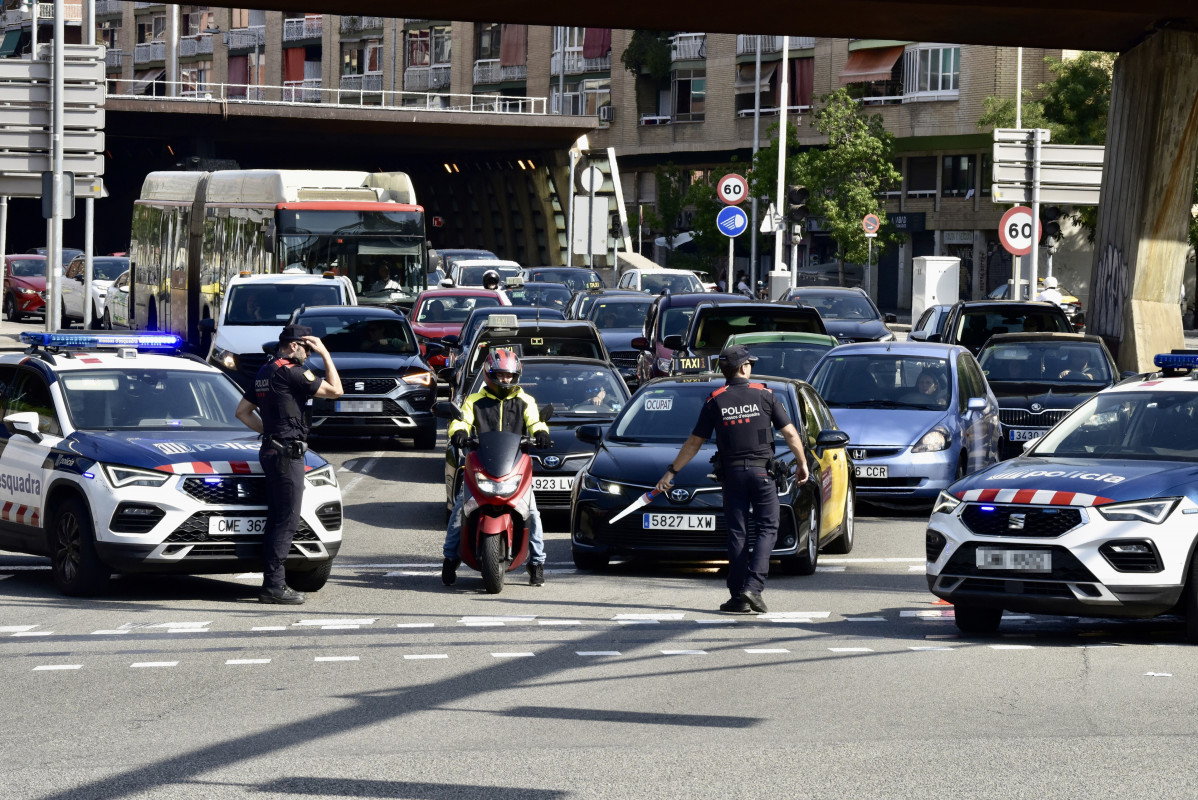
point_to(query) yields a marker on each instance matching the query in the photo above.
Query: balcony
(688, 47)
(246, 38)
(109, 8)
(149, 52)
(423, 79)
(576, 64)
(73, 12)
(298, 30)
(305, 91)
(488, 70)
(746, 45)
(200, 44)
(370, 83)
(356, 24)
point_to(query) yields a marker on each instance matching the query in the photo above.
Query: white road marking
(489, 624)
(16, 628)
(1012, 647)
(2, 577)
(367, 466)
(795, 615)
(864, 619)
(340, 627)
(172, 625)
(929, 613)
(144, 664)
(872, 560)
(684, 652)
(336, 658)
(765, 650)
(638, 621)
(50, 667)
(27, 568)
(503, 618)
(414, 625)
(365, 565)
(930, 647)
(559, 622)
(851, 649)
(416, 656)
(830, 569)
(653, 617)
(409, 572)
(34, 633)
(111, 633)
(512, 655)
(269, 628)
(236, 662)
(917, 568)
(1158, 674)
(321, 623)
(596, 652)
(248, 576)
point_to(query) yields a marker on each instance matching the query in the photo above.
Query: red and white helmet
(498, 361)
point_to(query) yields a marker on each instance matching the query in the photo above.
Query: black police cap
(735, 355)
(294, 333)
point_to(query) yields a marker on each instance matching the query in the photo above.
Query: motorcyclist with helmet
(491, 279)
(501, 405)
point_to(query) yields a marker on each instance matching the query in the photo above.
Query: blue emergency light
(96, 341)
(1178, 359)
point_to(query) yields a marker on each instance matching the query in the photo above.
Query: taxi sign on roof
(685, 364)
(501, 321)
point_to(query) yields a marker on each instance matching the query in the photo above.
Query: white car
(254, 310)
(469, 272)
(116, 304)
(656, 281)
(117, 460)
(105, 270)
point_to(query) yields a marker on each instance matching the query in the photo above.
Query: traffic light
(1050, 222)
(796, 203)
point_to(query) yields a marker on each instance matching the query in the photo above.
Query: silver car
(919, 416)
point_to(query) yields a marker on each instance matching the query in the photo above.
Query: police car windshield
(273, 303)
(884, 381)
(110, 399)
(571, 388)
(1082, 364)
(1127, 425)
(786, 359)
(346, 333)
(667, 412)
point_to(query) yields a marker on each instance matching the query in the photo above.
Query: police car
(1098, 518)
(115, 458)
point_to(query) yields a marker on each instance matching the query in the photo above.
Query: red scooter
(498, 489)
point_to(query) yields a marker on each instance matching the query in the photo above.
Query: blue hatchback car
(919, 416)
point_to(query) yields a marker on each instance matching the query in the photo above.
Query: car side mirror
(591, 434)
(434, 349)
(830, 439)
(124, 288)
(891, 318)
(451, 341)
(79, 277)
(934, 337)
(672, 342)
(639, 343)
(24, 423)
(207, 325)
(917, 336)
(976, 403)
(270, 347)
(446, 410)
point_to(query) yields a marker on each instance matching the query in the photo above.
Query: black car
(620, 319)
(389, 388)
(553, 296)
(444, 259)
(577, 278)
(1039, 378)
(669, 315)
(848, 314)
(581, 391)
(458, 343)
(581, 301)
(971, 323)
(713, 323)
(687, 523)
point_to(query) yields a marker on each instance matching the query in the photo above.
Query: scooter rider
(501, 405)
(491, 280)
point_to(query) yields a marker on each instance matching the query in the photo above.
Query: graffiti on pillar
(1108, 295)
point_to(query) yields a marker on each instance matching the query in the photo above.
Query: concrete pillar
(1147, 185)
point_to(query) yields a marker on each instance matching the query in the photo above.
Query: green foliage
(649, 52)
(671, 199)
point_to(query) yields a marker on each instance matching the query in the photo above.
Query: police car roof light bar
(1177, 360)
(96, 341)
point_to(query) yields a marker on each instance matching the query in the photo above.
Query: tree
(671, 200)
(649, 51)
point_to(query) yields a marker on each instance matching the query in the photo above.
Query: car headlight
(945, 504)
(664, 365)
(225, 358)
(503, 488)
(120, 476)
(890, 337)
(589, 481)
(1152, 511)
(26, 290)
(419, 378)
(324, 476)
(933, 441)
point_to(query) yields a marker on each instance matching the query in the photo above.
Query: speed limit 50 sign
(732, 189)
(1015, 231)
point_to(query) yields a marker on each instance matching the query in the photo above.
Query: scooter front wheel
(492, 564)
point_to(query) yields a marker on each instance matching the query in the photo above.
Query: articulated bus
(192, 231)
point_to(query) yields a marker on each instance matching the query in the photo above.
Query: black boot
(536, 574)
(449, 571)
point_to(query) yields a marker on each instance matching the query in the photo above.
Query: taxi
(1095, 519)
(687, 523)
(117, 457)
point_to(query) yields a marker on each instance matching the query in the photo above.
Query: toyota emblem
(552, 462)
(679, 495)
(1037, 407)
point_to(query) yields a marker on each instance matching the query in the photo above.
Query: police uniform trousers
(745, 487)
(284, 494)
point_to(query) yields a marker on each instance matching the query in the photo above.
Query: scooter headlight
(502, 488)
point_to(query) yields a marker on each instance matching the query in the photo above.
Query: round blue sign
(732, 221)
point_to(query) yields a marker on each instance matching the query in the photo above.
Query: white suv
(656, 281)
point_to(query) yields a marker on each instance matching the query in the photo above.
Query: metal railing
(354, 24)
(421, 79)
(748, 112)
(488, 70)
(298, 93)
(746, 45)
(246, 38)
(114, 59)
(149, 52)
(688, 46)
(371, 82)
(107, 8)
(576, 64)
(295, 30)
(199, 44)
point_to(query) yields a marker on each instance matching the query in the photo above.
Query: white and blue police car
(118, 456)
(1099, 518)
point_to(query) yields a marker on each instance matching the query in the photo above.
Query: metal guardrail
(576, 64)
(352, 24)
(199, 44)
(296, 93)
(422, 79)
(746, 44)
(149, 52)
(688, 46)
(243, 38)
(305, 28)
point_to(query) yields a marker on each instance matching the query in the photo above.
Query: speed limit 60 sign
(732, 189)
(1015, 231)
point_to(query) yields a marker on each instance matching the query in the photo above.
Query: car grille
(1065, 566)
(1046, 523)
(624, 359)
(195, 529)
(1143, 558)
(330, 516)
(1021, 417)
(227, 491)
(236, 549)
(859, 453)
(135, 518)
(248, 364)
(1016, 587)
(557, 498)
(369, 385)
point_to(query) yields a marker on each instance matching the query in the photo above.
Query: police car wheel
(843, 543)
(590, 561)
(312, 580)
(805, 561)
(74, 563)
(974, 619)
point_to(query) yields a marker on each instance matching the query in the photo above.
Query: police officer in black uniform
(743, 416)
(281, 394)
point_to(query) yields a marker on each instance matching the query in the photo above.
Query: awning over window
(874, 64)
(9, 45)
(142, 80)
(745, 74)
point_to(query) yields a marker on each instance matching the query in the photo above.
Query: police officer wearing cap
(744, 415)
(281, 394)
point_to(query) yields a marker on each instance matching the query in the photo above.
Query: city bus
(192, 231)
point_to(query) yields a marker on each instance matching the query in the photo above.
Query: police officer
(282, 390)
(743, 416)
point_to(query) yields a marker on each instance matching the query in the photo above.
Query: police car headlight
(224, 358)
(120, 477)
(945, 504)
(503, 488)
(933, 441)
(1151, 511)
(324, 476)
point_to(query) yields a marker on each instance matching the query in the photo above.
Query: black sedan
(848, 314)
(554, 296)
(620, 319)
(687, 523)
(581, 391)
(577, 278)
(1039, 378)
(389, 388)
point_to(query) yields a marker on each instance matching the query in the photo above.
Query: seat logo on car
(553, 462)
(1016, 521)
(679, 495)
(359, 386)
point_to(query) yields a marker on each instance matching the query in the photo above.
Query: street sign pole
(784, 95)
(89, 203)
(1033, 262)
(54, 250)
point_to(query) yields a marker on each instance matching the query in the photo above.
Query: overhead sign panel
(72, 141)
(31, 186)
(84, 94)
(1019, 153)
(1055, 195)
(1050, 174)
(81, 163)
(16, 69)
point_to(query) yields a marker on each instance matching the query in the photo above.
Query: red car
(441, 312)
(24, 286)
